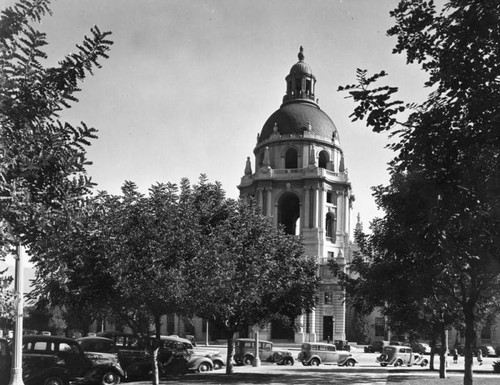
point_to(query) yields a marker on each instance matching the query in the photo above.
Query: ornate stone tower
(301, 181)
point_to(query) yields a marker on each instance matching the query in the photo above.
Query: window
(331, 226)
(328, 297)
(323, 159)
(40, 346)
(379, 327)
(291, 158)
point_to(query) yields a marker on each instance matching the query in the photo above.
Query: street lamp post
(16, 377)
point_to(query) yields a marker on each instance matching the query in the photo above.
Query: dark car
(103, 352)
(342, 345)
(51, 360)
(421, 348)
(376, 347)
(5, 362)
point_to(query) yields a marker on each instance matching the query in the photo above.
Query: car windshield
(306, 347)
(100, 346)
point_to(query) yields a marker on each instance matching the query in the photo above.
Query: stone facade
(301, 181)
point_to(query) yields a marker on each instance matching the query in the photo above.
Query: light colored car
(317, 353)
(400, 355)
(244, 352)
(488, 351)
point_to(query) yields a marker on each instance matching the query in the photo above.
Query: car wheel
(204, 367)
(247, 360)
(110, 378)
(398, 363)
(53, 381)
(424, 363)
(288, 361)
(277, 357)
(314, 362)
(383, 364)
(217, 365)
(349, 363)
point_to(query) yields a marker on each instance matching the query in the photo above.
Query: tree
(450, 144)
(247, 272)
(42, 162)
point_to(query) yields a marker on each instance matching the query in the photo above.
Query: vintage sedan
(103, 351)
(181, 346)
(51, 360)
(244, 352)
(314, 354)
(398, 355)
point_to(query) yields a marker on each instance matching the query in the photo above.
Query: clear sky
(189, 84)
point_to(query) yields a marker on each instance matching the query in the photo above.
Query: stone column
(269, 202)
(312, 334)
(315, 207)
(307, 208)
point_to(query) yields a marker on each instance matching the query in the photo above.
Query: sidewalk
(287, 375)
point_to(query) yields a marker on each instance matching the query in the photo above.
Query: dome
(300, 68)
(295, 118)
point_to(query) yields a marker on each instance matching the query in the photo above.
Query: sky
(189, 84)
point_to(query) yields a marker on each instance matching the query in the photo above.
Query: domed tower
(301, 181)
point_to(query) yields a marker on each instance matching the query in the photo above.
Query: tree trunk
(443, 353)
(230, 352)
(470, 339)
(156, 348)
(433, 354)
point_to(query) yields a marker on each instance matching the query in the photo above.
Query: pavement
(366, 372)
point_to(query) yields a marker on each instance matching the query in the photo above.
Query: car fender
(313, 357)
(195, 362)
(30, 378)
(343, 360)
(96, 371)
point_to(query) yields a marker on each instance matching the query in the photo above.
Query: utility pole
(16, 377)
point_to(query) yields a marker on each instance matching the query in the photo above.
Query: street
(367, 371)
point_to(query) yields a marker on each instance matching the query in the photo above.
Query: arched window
(323, 159)
(331, 227)
(291, 158)
(289, 213)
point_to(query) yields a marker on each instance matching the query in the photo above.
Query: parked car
(342, 345)
(317, 353)
(55, 361)
(376, 347)
(398, 355)
(103, 351)
(421, 348)
(488, 351)
(244, 352)
(134, 356)
(183, 347)
(497, 351)
(5, 361)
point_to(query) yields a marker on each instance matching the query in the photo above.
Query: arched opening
(323, 159)
(291, 158)
(289, 213)
(331, 227)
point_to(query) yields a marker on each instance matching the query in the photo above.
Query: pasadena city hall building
(301, 181)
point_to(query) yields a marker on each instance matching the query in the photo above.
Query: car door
(75, 358)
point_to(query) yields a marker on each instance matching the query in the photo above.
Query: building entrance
(328, 327)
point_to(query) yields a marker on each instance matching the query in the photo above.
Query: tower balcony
(295, 174)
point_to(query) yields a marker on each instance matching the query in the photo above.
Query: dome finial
(301, 54)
